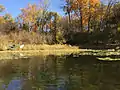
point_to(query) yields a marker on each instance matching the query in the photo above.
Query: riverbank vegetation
(86, 23)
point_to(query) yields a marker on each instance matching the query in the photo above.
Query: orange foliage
(85, 8)
(30, 13)
(94, 2)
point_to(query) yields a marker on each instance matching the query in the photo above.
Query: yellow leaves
(92, 9)
(85, 4)
(29, 13)
(8, 17)
(2, 20)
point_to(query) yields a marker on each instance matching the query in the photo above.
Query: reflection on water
(59, 73)
(13, 85)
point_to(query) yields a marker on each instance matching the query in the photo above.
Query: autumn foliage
(86, 19)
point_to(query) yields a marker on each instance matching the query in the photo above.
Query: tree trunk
(69, 18)
(55, 28)
(89, 23)
(81, 20)
(89, 17)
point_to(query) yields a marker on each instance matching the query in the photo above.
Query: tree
(34, 15)
(29, 14)
(107, 12)
(83, 9)
(2, 8)
(67, 9)
(93, 6)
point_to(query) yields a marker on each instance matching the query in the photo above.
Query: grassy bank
(49, 47)
(28, 47)
(36, 50)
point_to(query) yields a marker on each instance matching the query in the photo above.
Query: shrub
(31, 37)
(59, 38)
(24, 37)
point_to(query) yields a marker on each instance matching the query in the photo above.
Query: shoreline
(31, 51)
(40, 47)
(8, 55)
(5, 55)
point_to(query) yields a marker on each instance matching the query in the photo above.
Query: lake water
(59, 73)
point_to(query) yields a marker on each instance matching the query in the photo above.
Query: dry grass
(49, 47)
(31, 37)
(32, 41)
(4, 41)
(25, 37)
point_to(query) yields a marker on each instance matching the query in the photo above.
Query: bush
(24, 37)
(59, 38)
(31, 37)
